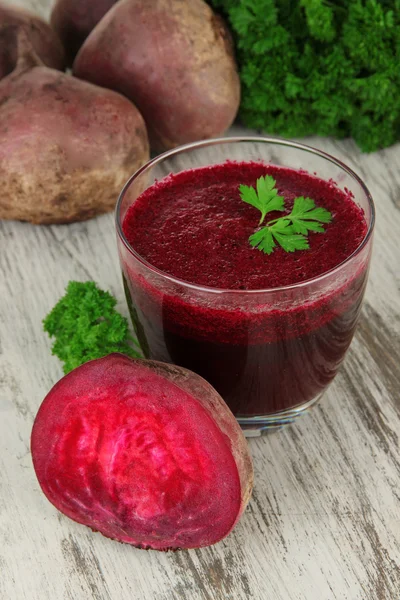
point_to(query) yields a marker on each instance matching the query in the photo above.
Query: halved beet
(144, 452)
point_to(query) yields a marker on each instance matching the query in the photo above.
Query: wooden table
(324, 519)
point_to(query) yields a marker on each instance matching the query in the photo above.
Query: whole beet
(173, 59)
(43, 39)
(74, 20)
(66, 146)
(145, 452)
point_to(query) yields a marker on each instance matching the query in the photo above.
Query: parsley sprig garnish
(265, 199)
(289, 231)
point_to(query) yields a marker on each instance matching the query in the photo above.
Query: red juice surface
(274, 351)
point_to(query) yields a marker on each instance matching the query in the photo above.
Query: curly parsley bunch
(327, 67)
(86, 325)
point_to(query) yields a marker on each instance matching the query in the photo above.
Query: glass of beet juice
(269, 332)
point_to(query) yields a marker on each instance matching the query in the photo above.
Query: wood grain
(324, 521)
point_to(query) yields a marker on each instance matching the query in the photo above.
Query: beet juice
(267, 331)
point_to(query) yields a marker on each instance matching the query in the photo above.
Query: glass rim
(237, 139)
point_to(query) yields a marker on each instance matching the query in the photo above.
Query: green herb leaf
(265, 199)
(290, 231)
(305, 216)
(86, 325)
(326, 67)
(291, 242)
(281, 232)
(263, 240)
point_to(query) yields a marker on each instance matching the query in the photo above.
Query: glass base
(256, 426)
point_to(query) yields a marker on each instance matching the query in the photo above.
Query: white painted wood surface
(324, 520)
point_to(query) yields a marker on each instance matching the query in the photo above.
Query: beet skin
(173, 59)
(146, 453)
(67, 146)
(45, 42)
(74, 20)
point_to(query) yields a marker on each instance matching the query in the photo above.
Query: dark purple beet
(173, 59)
(44, 41)
(74, 20)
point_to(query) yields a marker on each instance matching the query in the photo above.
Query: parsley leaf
(265, 199)
(263, 240)
(290, 231)
(291, 242)
(281, 232)
(326, 67)
(86, 325)
(305, 216)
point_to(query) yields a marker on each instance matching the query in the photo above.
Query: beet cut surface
(144, 452)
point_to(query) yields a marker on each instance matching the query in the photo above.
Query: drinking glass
(270, 353)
